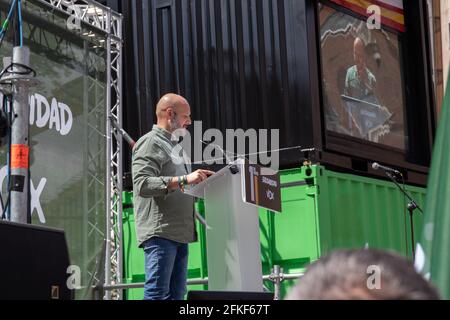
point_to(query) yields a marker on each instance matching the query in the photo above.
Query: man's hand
(198, 176)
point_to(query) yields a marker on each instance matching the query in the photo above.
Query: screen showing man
(360, 82)
(363, 90)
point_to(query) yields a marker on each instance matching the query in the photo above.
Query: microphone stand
(233, 168)
(122, 132)
(412, 206)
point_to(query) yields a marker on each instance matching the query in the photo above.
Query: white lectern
(232, 243)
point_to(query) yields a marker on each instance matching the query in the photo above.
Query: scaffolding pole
(20, 146)
(277, 277)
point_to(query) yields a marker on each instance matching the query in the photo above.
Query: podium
(368, 116)
(232, 242)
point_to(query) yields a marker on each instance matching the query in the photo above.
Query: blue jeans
(165, 269)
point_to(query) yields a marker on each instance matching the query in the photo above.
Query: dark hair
(350, 274)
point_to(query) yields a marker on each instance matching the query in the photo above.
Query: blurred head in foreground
(363, 274)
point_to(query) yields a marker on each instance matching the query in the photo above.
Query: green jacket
(355, 87)
(158, 212)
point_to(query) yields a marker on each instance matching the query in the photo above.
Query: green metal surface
(357, 211)
(322, 211)
(289, 239)
(134, 256)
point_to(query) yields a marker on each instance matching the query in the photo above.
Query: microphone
(377, 166)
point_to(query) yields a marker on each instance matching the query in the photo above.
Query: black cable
(11, 117)
(9, 70)
(3, 217)
(15, 22)
(11, 103)
(6, 207)
(3, 206)
(406, 209)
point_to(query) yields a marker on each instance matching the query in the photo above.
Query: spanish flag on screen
(391, 10)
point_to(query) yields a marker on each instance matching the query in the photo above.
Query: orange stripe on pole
(20, 156)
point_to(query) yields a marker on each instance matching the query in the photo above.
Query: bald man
(360, 82)
(164, 214)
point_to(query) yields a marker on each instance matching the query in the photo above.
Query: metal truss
(95, 102)
(93, 13)
(110, 23)
(114, 266)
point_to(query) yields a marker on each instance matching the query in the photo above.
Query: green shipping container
(322, 211)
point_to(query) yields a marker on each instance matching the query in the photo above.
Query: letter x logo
(35, 194)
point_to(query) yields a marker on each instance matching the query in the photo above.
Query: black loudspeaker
(229, 295)
(33, 263)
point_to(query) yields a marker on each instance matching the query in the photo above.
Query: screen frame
(417, 97)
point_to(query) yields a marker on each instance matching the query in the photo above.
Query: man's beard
(177, 129)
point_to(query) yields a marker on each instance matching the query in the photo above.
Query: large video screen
(362, 82)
